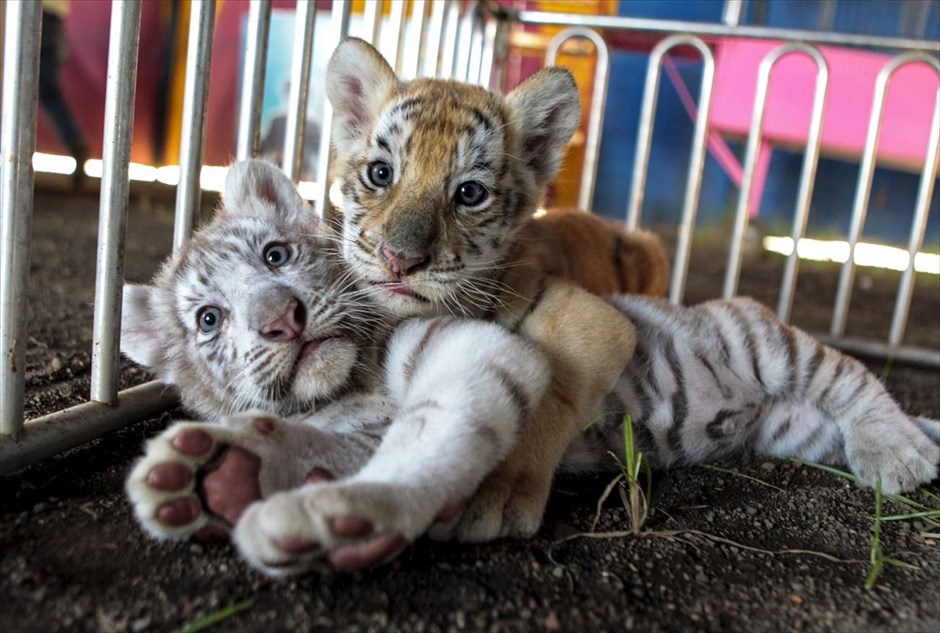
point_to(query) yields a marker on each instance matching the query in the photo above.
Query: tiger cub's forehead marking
(442, 126)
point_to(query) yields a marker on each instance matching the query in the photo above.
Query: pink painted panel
(908, 109)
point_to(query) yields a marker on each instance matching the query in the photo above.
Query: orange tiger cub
(596, 254)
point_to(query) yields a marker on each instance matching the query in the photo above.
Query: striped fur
(411, 432)
(728, 378)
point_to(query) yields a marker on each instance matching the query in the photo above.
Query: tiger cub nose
(287, 327)
(401, 265)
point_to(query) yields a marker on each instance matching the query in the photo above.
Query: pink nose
(400, 265)
(286, 327)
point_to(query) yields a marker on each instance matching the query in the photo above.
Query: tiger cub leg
(463, 389)
(198, 478)
(588, 343)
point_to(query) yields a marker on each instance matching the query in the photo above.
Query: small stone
(551, 622)
(768, 466)
(796, 598)
(558, 572)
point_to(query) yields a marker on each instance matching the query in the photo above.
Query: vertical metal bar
(195, 96)
(295, 126)
(339, 28)
(732, 11)
(866, 172)
(256, 56)
(488, 52)
(115, 188)
(598, 103)
(807, 181)
(475, 58)
(372, 18)
(693, 183)
(413, 48)
(396, 24)
(452, 34)
(500, 55)
(754, 141)
(644, 136)
(928, 178)
(461, 67)
(435, 33)
(17, 142)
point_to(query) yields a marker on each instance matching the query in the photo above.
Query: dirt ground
(721, 553)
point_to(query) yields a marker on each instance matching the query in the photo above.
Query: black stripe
(713, 429)
(618, 262)
(383, 143)
(536, 300)
(725, 390)
(482, 119)
(680, 401)
(411, 364)
(514, 389)
(751, 343)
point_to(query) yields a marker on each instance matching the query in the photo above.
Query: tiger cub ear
(358, 82)
(254, 188)
(546, 111)
(142, 338)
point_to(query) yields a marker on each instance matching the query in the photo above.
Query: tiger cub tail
(597, 254)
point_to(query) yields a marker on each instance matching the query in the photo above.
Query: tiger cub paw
(354, 525)
(507, 504)
(196, 479)
(901, 460)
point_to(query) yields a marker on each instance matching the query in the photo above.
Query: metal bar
(928, 178)
(396, 23)
(195, 96)
(295, 126)
(693, 184)
(252, 93)
(704, 29)
(807, 180)
(598, 103)
(17, 143)
(732, 11)
(414, 47)
(733, 270)
(115, 189)
(452, 35)
(461, 67)
(910, 354)
(339, 28)
(866, 172)
(62, 430)
(488, 53)
(372, 19)
(435, 33)
(500, 54)
(475, 57)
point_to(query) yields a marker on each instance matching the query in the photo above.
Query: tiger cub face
(256, 310)
(434, 178)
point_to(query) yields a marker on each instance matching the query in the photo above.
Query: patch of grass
(634, 496)
(876, 554)
(214, 618)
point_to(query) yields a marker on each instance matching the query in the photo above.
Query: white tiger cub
(727, 377)
(257, 311)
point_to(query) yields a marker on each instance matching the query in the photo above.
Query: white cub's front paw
(198, 477)
(355, 524)
(901, 458)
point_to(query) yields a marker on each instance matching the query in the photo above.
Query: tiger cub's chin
(325, 368)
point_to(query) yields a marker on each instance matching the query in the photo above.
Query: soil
(771, 546)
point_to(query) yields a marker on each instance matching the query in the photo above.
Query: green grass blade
(823, 467)
(877, 558)
(901, 564)
(629, 449)
(914, 515)
(214, 618)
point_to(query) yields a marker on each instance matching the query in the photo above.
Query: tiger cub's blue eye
(209, 318)
(276, 255)
(471, 194)
(380, 174)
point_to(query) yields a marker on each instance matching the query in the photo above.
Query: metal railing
(468, 42)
